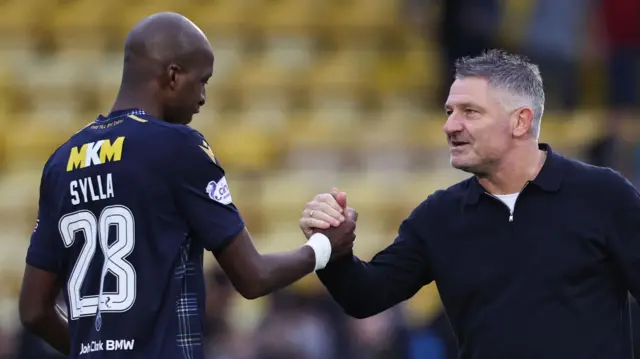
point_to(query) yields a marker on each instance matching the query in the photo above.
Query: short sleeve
(203, 194)
(46, 249)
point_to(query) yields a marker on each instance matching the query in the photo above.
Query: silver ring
(311, 213)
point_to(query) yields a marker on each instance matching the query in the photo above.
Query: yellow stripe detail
(134, 117)
(207, 149)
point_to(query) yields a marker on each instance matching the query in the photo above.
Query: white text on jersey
(91, 189)
(108, 345)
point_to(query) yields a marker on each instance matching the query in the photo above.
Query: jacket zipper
(511, 212)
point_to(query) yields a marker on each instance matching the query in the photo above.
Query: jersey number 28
(97, 231)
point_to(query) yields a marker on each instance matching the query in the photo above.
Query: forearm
(359, 287)
(51, 327)
(282, 269)
(393, 275)
(254, 275)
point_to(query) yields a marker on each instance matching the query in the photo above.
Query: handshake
(329, 226)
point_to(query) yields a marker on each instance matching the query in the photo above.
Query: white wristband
(321, 247)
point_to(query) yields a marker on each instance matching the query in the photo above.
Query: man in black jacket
(534, 256)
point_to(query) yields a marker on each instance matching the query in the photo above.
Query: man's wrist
(321, 246)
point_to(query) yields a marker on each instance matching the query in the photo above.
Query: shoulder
(178, 134)
(183, 142)
(585, 177)
(49, 174)
(190, 153)
(451, 198)
(58, 159)
(184, 136)
(442, 202)
(596, 190)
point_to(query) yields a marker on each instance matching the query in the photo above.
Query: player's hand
(343, 236)
(323, 212)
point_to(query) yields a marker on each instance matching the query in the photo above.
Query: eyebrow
(460, 104)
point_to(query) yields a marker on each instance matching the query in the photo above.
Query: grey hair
(511, 73)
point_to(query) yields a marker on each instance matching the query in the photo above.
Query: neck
(513, 172)
(138, 98)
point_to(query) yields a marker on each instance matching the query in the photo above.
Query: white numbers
(69, 225)
(96, 231)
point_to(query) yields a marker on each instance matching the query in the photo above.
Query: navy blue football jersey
(127, 207)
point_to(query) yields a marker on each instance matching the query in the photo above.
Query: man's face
(478, 127)
(188, 93)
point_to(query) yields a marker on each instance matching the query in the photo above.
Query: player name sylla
(91, 189)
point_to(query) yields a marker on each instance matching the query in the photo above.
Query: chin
(462, 165)
(185, 120)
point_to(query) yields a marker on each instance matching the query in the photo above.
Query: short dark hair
(512, 73)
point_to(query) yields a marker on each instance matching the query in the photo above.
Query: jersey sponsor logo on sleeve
(95, 153)
(219, 191)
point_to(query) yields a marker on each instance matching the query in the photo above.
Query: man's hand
(326, 214)
(323, 212)
(343, 236)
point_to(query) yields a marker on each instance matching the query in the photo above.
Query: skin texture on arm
(38, 311)
(255, 275)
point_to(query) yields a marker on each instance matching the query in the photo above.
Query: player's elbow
(248, 286)
(252, 289)
(250, 292)
(31, 317)
(249, 295)
(357, 314)
(253, 284)
(355, 305)
(359, 311)
(32, 312)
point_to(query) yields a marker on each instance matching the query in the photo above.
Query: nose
(203, 99)
(452, 125)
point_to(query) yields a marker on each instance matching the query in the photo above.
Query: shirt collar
(548, 179)
(121, 113)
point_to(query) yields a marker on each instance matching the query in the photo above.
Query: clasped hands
(329, 214)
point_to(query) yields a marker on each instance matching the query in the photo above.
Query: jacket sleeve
(624, 233)
(395, 274)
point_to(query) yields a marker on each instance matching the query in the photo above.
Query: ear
(173, 70)
(523, 122)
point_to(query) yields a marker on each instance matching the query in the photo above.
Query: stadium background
(306, 95)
